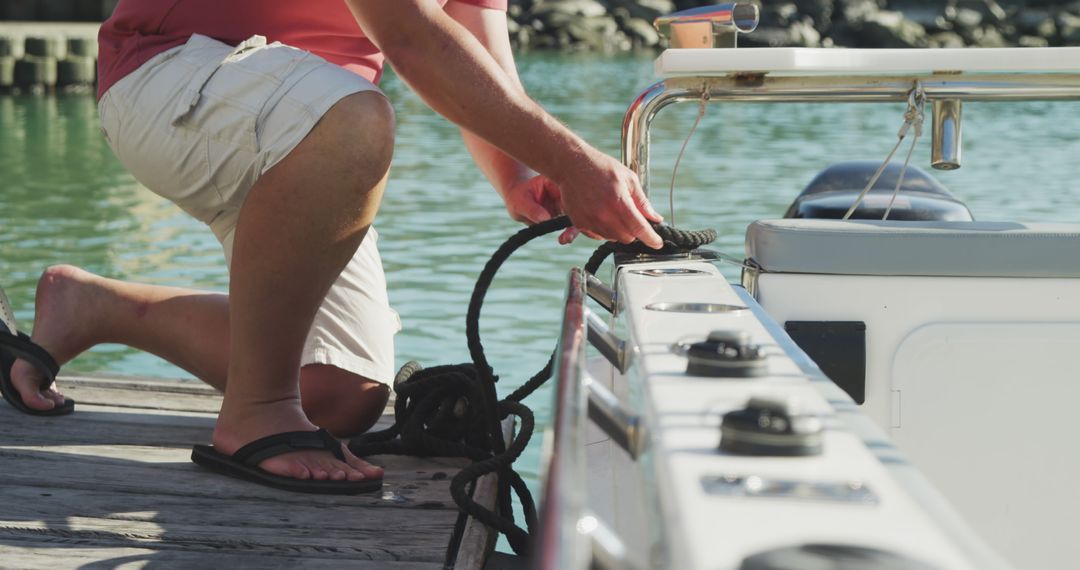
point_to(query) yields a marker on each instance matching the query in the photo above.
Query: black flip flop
(244, 464)
(16, 345)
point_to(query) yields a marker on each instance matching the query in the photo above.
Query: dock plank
(113, 485)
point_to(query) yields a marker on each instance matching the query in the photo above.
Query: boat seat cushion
(956, 249)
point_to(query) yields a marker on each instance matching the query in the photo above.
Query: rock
(927, 14)
(1070, 37)
(522, 38)
(989, 36)
(889, 29)
(804, 34)
(946, 40)
(964, 19)
(779, 14)
(989, 10)
(820, 11)
(1068, 26)
(641, 32)
(854, 11)
(1032, 41)
(596, 32)
(647, 10)
(586, 8)
(1035, 22)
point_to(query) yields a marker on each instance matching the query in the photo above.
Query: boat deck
(113, 486)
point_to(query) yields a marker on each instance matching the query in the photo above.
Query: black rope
(454, 410)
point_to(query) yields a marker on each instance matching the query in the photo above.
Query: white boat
(944, 437)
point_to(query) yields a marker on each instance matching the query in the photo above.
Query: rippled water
(65, 199)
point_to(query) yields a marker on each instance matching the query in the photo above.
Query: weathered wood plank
(33, 555)
(422, 539)
(144, 393)
(401, 489)
(113, 485)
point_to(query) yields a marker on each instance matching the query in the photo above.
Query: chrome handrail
(571, 537)
(765, 88)
(561, 543)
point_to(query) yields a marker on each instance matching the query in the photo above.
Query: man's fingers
(568, 235)
(642, 230)
(641, 201)
(537, 213)
(634, 224)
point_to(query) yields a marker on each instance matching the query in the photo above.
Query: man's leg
(76, 310)
(298, 227)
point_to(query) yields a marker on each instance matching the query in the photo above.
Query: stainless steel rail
(570, 536)
(560, 544)
(764, 88)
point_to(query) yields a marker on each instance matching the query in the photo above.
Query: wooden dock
(112, 486)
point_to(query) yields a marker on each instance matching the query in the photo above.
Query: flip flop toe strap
(271, 446)
(22, 347)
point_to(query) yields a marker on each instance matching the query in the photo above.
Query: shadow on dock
(112, 486)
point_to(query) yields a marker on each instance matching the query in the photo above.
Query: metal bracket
(612, 347)
(945, 134)
(609, 415)
(600, 292)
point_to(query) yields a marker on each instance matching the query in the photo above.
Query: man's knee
(340, 401)
(365, 124)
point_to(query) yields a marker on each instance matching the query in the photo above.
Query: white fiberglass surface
(795, 61)
(710, 531)
(975, 379)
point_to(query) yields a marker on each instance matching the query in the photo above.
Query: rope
(454, 411)
(682, 151)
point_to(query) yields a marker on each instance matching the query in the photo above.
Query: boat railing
(570, 535)
(946, 77)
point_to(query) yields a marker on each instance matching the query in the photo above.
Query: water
(65, 199)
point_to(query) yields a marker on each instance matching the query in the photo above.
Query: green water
(65, 199)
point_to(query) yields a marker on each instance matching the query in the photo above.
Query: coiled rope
(454, 411)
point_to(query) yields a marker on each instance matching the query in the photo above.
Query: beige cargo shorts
(200, 123)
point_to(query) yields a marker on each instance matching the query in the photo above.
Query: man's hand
(533, 200)
(605, 200)
(452, 71)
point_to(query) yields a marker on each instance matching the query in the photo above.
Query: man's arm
(450, 69)
(527, 198)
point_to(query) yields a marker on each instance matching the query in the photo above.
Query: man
(283, 149)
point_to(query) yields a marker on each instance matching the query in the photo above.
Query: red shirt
(140, 29)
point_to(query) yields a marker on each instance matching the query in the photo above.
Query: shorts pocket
(223, 98)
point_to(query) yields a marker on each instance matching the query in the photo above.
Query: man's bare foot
(69, 306)
(241, 423)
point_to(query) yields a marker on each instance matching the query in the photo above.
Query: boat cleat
(771, 427)
(726, 354)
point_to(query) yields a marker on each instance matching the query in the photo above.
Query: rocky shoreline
(623, 25)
